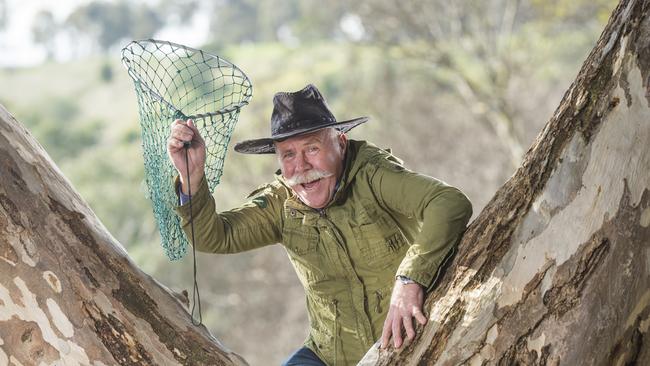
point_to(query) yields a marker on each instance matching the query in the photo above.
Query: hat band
(289, 127)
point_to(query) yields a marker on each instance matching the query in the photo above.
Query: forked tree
(555, 269)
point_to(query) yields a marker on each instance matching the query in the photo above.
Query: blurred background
(458, 89)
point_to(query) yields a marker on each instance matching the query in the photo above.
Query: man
(365, 235)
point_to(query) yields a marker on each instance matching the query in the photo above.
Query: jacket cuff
(418, 269)
(199, 199)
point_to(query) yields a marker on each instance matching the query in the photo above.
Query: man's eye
(287, 156)
(312, 149)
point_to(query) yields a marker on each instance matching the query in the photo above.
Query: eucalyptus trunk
(69, 294)
(556, 268)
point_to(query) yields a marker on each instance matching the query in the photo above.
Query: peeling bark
(69, 294)
(556, 269)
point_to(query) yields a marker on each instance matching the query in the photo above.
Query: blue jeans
(303, 357)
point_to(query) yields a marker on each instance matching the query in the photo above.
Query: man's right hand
(181, 132)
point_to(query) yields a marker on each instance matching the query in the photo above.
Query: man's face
(312, 163)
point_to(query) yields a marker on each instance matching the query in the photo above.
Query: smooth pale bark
(556, 269)
(69, 294)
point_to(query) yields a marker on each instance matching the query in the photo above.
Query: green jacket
(383, 221)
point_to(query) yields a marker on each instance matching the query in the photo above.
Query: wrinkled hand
(182, 131)
(405, 304)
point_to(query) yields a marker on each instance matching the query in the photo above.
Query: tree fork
(555, 270)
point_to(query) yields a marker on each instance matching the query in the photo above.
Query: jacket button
(292, 213)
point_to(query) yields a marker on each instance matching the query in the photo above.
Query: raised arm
(254, 224)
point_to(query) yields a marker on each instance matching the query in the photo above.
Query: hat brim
(266, 145)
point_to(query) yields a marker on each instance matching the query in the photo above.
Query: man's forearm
(443, 224)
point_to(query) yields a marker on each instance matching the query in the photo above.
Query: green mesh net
(174, 81)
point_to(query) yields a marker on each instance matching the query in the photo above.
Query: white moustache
(307, 177)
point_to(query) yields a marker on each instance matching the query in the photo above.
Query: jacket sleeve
(442, 210)
(255, 224)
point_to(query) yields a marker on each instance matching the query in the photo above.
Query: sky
(17, 48)
(16, 45)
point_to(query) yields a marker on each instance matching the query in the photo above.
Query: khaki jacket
(383, 221)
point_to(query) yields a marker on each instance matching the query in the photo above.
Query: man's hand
(405, 304)
(186, 131)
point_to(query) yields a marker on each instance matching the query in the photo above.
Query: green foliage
(317, 22)
(106, 72)
(179, 9)
(110, 178)
(574, 12)
(237, 21)
(54, 125)
(44, 30)
(130, 135)
(112, 22)
(4, 14)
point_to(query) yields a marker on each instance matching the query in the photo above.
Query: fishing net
(174, 81)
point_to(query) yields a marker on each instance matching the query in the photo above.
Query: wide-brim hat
(295, 114)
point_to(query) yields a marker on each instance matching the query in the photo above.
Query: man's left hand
(405, 304)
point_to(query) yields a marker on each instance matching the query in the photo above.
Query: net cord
(196, 297)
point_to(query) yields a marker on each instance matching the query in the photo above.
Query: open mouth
(311, 185)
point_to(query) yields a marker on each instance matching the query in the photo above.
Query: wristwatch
(404, 280)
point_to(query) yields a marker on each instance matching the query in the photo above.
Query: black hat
(294, 114)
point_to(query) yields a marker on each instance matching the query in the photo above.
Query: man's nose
(302, 164)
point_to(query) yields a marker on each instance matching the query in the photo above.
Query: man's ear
(343, 141)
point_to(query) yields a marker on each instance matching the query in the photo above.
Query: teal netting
(174, 81)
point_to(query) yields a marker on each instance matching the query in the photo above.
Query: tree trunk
(69, 295)
(556, 269)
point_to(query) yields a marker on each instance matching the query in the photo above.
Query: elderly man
(366, 236)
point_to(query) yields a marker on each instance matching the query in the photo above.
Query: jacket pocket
(302, 247)
(380, 244)
(299, 241)
(381, 241)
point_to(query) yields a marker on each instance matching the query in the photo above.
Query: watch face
(405, 280)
